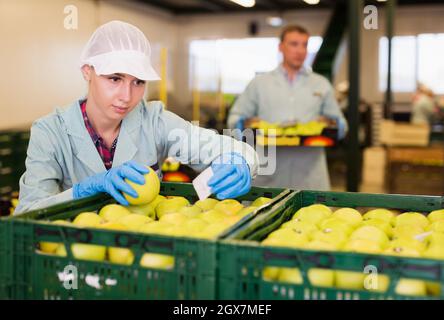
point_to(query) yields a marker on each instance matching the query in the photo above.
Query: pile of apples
(312, 128)
(378, 231)
(152, 213)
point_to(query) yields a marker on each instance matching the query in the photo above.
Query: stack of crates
(28, 274)
(243, 259)
(13, 148)
(7, 163)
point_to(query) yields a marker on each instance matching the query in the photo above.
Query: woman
(113, 134)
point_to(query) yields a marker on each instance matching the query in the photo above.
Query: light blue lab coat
(62, 153)
(273, 98)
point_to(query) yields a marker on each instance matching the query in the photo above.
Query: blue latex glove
(240, 126)
(112, 182)
(231, 177)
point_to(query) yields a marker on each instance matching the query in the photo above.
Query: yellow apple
(411, 287)
(144, 210)
(407, 231)
(157, 261)
(190, 211)
(404, 249)
(146, 192)
(81, 251)
(259, 202)
(370, 233)
(134, 221)
(156, 201)
(286, 233)
(336, 224)
(300, 226)
(382, 225)
(245, 211)
(195, 225)
(437, 226)
(351, 279)
(206, 204)
(407, 286)
(351, 216)
(174, 218)
(381, 214)
(434, 252)
(170, 205)
(288, 239)
(213, 230)
(436, 215)
(270, 273)
(321, 207)
(177, 231)
(290, 275)
(363, 246)
(51, 247)
(336, 237)
(322, 246)
(412, 218)
(231, 220)
(212, 216)
(155, 227)
(436, 238)
(113, 212)
(407, 243)
(321, 277)
(88, 219)
(228, 206)
(310, 215)
(115, 254)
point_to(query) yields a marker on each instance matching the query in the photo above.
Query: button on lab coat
(62, 153)
(272, 98)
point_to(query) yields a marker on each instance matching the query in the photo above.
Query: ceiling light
(245, 3)
(311, 1)
(275, 21)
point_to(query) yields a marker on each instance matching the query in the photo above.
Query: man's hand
(250, 121)
(326, 120)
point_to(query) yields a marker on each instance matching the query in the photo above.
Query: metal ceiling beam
(225, 6)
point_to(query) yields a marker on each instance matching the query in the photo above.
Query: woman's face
(116, 94)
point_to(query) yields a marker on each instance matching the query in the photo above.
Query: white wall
(39, 57)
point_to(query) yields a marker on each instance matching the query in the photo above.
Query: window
(231, 63)
(431, 62)
(403, 64)
(414, 59)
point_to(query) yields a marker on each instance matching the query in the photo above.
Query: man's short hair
(293, 28)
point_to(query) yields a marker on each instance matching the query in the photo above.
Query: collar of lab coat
(304, 71)
(86, 150)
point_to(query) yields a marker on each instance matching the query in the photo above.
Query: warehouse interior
(382, 58)
(176, 29)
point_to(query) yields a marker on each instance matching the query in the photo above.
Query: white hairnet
(119, 47)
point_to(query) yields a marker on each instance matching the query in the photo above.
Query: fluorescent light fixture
(275, 21)
(311, 1)
(245, 3)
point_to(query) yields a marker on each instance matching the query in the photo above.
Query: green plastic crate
(242, 258)
(36, 276)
